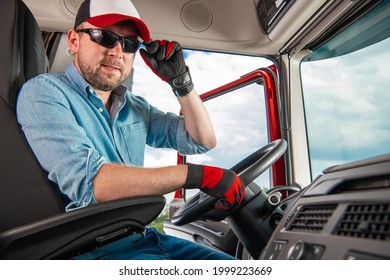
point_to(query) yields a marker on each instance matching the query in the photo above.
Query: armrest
(81, 230)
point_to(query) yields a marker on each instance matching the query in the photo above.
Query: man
(89, 133)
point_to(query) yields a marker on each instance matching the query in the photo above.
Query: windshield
(347, 98)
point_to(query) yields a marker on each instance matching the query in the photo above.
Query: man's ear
(73, 40)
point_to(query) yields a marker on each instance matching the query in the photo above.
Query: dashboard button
(305, 251)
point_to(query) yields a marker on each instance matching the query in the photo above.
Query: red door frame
(266, 76)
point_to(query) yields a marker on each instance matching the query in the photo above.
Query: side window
(239, 117)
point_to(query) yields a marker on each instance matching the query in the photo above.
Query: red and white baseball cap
(102, 13)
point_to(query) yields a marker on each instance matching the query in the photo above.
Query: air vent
(369, 221)
(311, 218)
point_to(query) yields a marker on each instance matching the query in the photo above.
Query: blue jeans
(152, 245)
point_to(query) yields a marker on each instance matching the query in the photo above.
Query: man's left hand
(167, 61)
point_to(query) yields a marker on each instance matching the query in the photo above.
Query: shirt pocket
(134, 136)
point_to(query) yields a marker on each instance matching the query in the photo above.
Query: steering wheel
(248, 169)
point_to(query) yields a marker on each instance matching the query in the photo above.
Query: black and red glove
(167, 61)
(217, 182)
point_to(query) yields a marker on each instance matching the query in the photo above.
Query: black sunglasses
(109, 39)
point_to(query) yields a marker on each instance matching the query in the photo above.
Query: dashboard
(343, 214)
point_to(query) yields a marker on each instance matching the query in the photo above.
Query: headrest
(22, 52)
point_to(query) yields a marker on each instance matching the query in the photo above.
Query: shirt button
(100, 110)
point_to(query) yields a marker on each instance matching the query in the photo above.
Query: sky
(347, 104)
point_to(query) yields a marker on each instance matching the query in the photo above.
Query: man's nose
(116, 50)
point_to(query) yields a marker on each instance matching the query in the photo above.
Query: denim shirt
(72, 134)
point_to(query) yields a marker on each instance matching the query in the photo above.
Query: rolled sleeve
(185, 144)
(80, 189)
(167, 130)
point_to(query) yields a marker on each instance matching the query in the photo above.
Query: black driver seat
(22, 57)
(32, 222)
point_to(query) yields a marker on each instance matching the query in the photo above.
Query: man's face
(103, 68)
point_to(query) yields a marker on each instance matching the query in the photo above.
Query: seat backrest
(26, 195)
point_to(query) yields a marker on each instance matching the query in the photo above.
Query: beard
(100, 79)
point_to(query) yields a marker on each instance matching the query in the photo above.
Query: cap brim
(110, 19)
